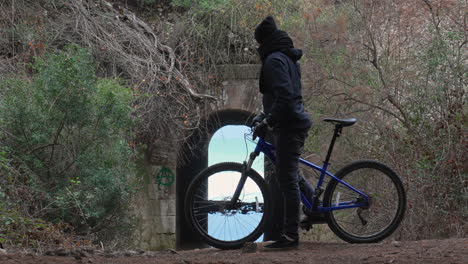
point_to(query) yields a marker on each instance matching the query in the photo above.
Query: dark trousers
(289, 146)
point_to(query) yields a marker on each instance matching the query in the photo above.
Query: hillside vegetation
(88, 85)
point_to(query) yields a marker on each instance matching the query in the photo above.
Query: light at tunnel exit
(231, 143)
(228, 144)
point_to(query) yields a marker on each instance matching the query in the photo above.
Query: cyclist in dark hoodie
(284, 115)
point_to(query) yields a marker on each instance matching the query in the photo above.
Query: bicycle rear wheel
(222, 225)
(385, 211)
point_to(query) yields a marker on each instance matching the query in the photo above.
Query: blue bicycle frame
(268, 150)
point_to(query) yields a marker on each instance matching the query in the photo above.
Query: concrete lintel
(239, 71)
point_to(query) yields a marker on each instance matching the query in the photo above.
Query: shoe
(284, 243)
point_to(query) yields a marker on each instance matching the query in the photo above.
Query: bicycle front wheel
(384, 212)
(220, 223)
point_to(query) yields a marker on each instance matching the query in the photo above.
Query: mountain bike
(229, 203)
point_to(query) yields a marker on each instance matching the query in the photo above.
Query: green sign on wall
(165, 177)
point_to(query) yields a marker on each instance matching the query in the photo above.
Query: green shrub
(70, 129)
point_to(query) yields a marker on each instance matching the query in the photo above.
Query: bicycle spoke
(201, 207)
(240, 224)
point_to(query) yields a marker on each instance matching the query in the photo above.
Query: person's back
(291, 113)
(284, 115)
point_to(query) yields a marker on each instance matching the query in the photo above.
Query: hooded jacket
(280, 84)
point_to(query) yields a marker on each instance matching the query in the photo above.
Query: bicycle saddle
(342, 122)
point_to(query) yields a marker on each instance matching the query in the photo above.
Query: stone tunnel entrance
(194, 158)
(159, 205)
(239, 103)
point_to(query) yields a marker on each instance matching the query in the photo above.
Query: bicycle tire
(356, 174)
(195, 214)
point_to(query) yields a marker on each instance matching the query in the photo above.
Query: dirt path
(424, 251)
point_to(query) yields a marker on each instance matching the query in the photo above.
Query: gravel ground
(424, 251)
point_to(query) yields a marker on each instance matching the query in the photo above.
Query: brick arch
(193, 159)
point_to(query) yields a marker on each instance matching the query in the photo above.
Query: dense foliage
(399, 66)
(65, 136)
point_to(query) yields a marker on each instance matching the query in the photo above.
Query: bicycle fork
(246, 167)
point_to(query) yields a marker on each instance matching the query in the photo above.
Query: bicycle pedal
(306, 226)
(318, 219)
(315, 218)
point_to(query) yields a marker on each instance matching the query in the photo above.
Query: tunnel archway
(193, 157)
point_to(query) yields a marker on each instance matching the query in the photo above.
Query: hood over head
(265, 29)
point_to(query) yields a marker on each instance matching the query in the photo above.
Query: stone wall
(155, 206)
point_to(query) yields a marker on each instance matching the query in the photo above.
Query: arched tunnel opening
(195, 156)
